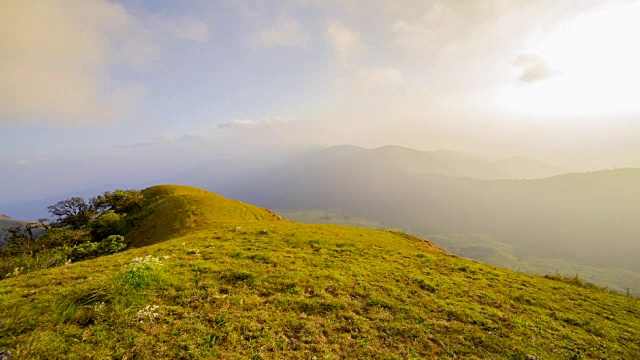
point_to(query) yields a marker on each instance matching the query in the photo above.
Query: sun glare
(593, 67)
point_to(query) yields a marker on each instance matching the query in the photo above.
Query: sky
(99, 91)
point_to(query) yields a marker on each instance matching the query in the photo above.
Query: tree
(22, 238)
(120, 201)
(108, 223)
(20, 241)
(64, 237)
(74, 213)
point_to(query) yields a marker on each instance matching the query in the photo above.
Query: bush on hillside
(81, 229)
(89, 250)
(108, 223)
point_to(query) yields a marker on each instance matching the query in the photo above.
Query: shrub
(25, 263)
(111, 245)
(84, 251)
(62, 237)
(109, 223)
(89, 250)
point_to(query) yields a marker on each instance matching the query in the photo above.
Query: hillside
(220, 278)
(178, 210)
(587, 218)
(7, 222)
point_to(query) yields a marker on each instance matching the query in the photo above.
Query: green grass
(236, 282)
(486, 249)
(330, 217)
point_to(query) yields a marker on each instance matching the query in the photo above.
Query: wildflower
(145, 262)
(99, 307)
(149, 313)
(15, 272)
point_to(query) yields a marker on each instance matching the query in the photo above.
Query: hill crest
(235, 282)
(175, 210)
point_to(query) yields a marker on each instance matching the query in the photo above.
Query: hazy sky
(93, 84)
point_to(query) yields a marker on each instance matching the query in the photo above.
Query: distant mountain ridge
(6, 222)
(440, 162)
(223, 172)
(586, 217)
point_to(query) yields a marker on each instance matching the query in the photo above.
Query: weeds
(141, 273)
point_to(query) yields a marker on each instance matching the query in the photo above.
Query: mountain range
(587, 218)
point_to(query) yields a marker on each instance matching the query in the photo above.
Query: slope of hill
(7, 222)
(235, 281)
(174, 210)
(585, 217)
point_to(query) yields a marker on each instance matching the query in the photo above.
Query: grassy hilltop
(207, 277)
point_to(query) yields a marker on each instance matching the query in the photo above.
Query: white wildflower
(99, 307)
(15, 272)
(145, 262)
(148, 313)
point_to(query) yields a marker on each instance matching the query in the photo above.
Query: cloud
(54, 57)
(287, 31)
(27, 162)
(476, 27)
(371, 78)
(22, 162)
(251, 124)
(534, 68)
(238, 124)
(185, 28)
(379, 77)
(58, 59)
(425, 32)
(345, 41)
(163, 140)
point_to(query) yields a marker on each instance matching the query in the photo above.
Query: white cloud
(54, 58)
(238, 124)
(250, 124)
(164, 139)
(365, 80)
(379, 77)
(534, 68)
(287, 31)
(419, 34)
(58, 58)
(346, 42)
